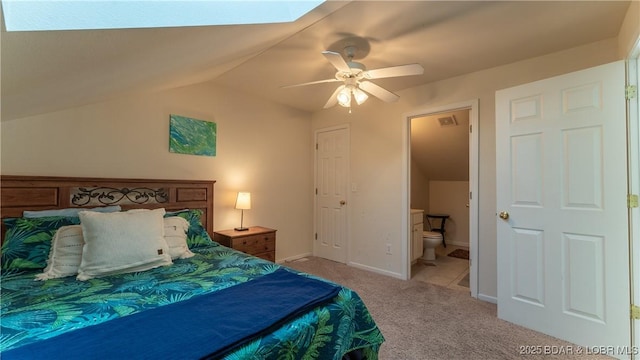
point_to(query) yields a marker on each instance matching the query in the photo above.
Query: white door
(634, 183)
(332, 165)
(563, 255)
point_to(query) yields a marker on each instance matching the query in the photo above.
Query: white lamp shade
(243, 202)
(360, 96)
(344, 97)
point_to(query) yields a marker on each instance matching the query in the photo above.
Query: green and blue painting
(192, 136)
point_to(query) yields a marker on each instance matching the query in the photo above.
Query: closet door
(332, 174)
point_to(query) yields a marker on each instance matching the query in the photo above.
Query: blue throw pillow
(27, 241)
(197, 235)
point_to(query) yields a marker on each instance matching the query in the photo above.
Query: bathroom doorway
(442, 180)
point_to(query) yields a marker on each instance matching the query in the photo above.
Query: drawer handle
(244, 242)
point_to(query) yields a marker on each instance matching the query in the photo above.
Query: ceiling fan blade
(336, 60)
(333, 100)
(311, 83)
(377, 91)
(401, 70)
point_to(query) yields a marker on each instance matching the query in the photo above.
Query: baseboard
(487, 298)
(354, 264)
(293, 258)
(376, 270)
(458, 243)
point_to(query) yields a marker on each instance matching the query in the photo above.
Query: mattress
(33, 311)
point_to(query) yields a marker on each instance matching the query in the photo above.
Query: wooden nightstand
(257, 241)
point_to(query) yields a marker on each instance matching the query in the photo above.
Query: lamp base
(241, 229)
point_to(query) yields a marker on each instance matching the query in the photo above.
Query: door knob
(503, 215)
(342, 202)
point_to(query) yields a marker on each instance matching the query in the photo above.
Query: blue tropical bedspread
(35, 310)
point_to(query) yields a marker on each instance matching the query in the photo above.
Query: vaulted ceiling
(48, 71)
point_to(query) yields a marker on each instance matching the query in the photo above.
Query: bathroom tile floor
(444, 270)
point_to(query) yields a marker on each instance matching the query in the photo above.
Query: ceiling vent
(448, 120)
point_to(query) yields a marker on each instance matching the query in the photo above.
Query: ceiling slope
(49, 71)
(45, 71)
(448, 38)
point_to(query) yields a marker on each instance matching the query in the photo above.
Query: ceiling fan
(355, 78)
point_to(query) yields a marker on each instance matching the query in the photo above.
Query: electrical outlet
(388, 249)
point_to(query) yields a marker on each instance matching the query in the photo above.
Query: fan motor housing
(356, 71)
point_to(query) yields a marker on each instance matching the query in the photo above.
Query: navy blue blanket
(205, 326)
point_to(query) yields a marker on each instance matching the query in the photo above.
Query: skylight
(38, 15)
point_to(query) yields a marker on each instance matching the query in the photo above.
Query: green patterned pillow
(197, 235)
(28, 240)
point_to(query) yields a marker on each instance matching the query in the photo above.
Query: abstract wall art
(192, 136)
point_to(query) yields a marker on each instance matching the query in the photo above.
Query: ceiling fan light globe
(344, 97)
(345, 103)
(360, 96)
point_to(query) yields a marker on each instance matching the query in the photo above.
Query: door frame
(347, 237)
(472, 106)
(633, 170)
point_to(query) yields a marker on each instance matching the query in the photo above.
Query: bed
(192, 298)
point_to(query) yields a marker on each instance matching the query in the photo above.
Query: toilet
(430, 240)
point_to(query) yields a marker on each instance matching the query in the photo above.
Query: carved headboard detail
(101, 196)
(20, 193)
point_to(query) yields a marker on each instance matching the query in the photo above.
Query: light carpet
(423, 321)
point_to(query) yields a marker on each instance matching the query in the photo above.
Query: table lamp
(243, 202)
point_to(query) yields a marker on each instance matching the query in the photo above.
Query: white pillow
(65, 254)
(175, 233)
(122, 242)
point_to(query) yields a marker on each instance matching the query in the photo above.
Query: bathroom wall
(419, 188)
(451, 197)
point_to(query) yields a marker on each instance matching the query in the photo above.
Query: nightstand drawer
(271, 256)
(255, 244)
(257, 241)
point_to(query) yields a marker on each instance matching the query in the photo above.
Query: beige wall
(451, 198)
(419, 193)
(261, 147)
(378, 133)
(629, 31)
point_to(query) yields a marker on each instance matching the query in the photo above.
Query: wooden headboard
(19, 193)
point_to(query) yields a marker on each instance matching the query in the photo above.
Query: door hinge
(316, 146)
(470, 128)
(632, 201)
(635, 312)
(630, 92)
(316, 236)
(316, 191)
